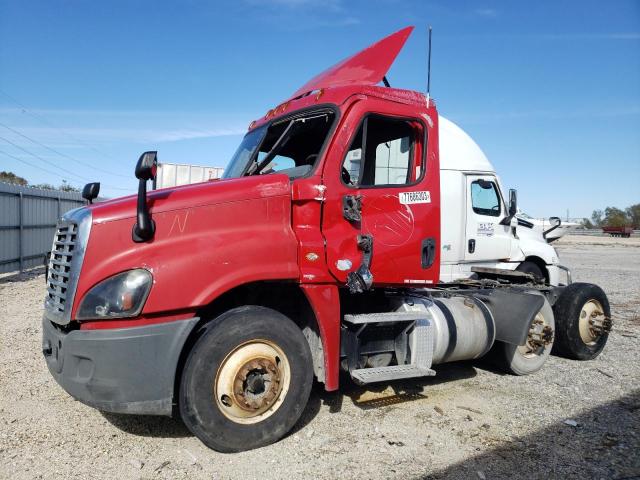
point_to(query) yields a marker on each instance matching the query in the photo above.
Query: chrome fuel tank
(464, 326)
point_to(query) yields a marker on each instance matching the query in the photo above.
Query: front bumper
(559, 275)
(125, 370)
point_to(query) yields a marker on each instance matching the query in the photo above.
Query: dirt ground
(571, 420)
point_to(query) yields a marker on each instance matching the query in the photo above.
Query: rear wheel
(247, 380)
(584, 321)
(530, 357)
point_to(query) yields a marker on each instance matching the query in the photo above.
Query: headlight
(120, 296)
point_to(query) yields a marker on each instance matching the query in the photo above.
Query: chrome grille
(67, 256)
(62, 250)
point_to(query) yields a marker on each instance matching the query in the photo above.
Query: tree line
(614, 217)
(12, 178)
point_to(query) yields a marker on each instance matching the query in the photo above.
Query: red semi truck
(318, 252)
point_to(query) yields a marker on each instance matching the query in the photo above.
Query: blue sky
(550, 89)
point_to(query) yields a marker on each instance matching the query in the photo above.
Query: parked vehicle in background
(476, 227)
(618, 231)
(175, 174)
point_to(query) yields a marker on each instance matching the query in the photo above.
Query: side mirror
(511, 219)
(147, 166)
(556, 222)
(91, 191)
(144, 228)
(513, 202)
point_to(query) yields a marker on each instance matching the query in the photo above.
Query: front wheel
(531, 268)
(247, 380)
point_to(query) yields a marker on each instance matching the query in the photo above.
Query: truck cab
(318, 252)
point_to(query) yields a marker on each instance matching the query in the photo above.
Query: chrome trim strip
(82, 218)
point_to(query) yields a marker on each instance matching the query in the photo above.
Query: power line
(82, 179)
(43, 160)
(61, 154)
(31, 164)
(41, 119)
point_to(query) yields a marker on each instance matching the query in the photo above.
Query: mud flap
(513, 313)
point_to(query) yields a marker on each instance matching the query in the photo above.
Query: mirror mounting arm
(506, 220)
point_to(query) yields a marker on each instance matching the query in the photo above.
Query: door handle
(472, 245)
(428, 252)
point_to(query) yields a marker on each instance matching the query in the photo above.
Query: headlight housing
(120, 296)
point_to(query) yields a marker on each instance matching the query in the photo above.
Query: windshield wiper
(282, 140)
(293, 126)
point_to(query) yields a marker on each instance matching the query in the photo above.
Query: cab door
(487, 239)
(382, 182)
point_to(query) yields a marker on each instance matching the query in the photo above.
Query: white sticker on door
(409, 198)
(485, 229)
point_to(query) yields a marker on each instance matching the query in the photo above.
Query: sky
(550, 90)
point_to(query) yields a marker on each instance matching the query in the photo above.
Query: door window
(485, 199)
(389, 146)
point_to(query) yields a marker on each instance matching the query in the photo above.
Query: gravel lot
(467, 422)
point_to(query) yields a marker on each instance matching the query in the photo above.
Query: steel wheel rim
(590, 321)
(252, 382)
(539, 337)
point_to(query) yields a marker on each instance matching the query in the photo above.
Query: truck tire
(578, 306)
(246, 380)
(532, 268)
(529, 358)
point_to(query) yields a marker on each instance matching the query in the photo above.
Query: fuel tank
(464, 326)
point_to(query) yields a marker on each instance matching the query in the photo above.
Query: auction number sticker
(410, 198)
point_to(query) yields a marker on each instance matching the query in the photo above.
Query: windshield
(244, 153)
(291, 146)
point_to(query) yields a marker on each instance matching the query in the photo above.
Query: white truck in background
(474, 209)
(478, 229)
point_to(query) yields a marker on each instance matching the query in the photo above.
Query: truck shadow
(604, 443)
(364, 397)
(148, 425)
(384, 394)
(174, 427)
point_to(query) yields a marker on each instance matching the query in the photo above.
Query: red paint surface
(325, 302)
(210, 237)
(401, 228)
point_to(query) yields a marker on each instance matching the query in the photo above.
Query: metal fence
(596, 232)
(28, 219)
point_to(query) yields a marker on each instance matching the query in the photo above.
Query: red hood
(366, 67)
(189, 196)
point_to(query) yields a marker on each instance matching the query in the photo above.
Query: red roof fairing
(366, 67)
